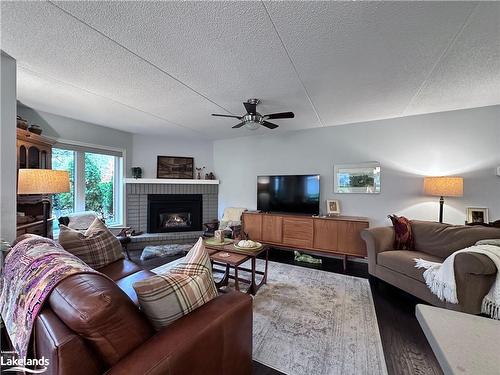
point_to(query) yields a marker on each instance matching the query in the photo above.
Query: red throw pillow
(403, 239)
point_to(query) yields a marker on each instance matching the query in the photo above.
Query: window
(95, 182)
(64, 203)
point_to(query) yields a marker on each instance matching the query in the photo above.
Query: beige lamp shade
(444, 186)
(42, 181)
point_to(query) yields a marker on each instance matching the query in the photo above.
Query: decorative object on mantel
(22, 123)
(175, 167)
(211, 176)
(444, 186)
(43, 182)
(136, 172)
(357, 178)
(332, 207)
(477, 215)
(200, 171)
(169, 181)
(36, 129)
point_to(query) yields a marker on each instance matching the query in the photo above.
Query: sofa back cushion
(94, 307)
(443, 239)
(167, 297)
(97, 247)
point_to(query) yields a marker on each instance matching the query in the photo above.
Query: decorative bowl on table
(248, 245)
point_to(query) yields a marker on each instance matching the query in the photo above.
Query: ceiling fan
(253, 119)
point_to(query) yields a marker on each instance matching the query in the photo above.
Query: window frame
(79, 149)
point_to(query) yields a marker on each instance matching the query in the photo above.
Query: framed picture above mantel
(176, 167)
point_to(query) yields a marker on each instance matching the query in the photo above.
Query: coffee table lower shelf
(219, 257)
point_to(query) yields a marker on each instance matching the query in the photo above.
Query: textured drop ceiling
(164, 67)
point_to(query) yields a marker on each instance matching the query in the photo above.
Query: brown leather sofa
(91, 325)
(474, 273)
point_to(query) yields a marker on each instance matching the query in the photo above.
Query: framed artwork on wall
(176, 167)
(361, 178)
(477, 215)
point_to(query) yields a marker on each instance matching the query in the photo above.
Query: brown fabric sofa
(91, 324)
(474, 273)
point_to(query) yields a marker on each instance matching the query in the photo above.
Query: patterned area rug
(312, 322)
(308, 321)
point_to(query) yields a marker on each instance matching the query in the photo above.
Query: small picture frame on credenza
(332, 207)
(477, 215)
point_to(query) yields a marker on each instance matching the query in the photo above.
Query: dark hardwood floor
(405, 347)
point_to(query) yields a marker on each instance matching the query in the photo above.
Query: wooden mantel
(169, 181)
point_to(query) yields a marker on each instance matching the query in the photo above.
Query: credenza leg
(344, 263)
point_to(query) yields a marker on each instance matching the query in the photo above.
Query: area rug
(159, 251)
(312, 322)
(308, 321)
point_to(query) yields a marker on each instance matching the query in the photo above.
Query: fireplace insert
(174, 212)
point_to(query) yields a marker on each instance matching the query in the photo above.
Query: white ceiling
(164, 67)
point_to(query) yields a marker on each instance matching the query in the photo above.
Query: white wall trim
(169, 181)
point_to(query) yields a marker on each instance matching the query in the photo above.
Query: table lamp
(444, 186)
(43, 182)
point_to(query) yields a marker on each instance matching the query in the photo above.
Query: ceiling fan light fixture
(252, 125)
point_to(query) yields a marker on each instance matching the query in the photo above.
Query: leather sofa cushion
(442, 240)
(126, 283)
(402, 261)
(95, 308)
(120, 269)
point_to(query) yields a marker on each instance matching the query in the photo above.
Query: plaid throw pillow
(97, 247)
(167, 297)
(403, 239)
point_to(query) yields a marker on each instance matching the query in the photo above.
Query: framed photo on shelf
(176, 167)
(477, 215)
(332, 207)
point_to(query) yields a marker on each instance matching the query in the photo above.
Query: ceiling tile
(364, 61)
(469, 74)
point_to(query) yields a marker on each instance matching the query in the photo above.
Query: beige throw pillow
(167, 297)
(97, 246)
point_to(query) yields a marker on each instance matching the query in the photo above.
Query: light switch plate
(498, 171)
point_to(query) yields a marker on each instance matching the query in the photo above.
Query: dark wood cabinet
(325, 235)
(34, 152)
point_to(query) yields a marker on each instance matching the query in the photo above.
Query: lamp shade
(444, 186)
(42, 181)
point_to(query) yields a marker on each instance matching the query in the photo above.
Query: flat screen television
(294, 194)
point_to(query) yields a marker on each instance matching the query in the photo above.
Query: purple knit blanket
(32, 269)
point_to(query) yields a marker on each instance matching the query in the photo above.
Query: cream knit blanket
(440, 277)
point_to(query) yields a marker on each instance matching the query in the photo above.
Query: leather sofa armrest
(214, 339)
(474, 263)
(377, 240)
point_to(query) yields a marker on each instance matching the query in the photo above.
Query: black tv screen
(294, 194)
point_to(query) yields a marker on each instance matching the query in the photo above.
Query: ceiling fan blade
(232, 116)
(251, 108)
(280, 115)
(269, 125)
(239, 125)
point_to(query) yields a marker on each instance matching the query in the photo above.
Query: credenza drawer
(298, 232)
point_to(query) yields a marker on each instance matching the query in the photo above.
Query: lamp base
(441, 208)
(46, 208)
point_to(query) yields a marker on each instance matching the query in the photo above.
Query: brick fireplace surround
(137, 192)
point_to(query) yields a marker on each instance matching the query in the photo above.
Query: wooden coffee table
(234, 260)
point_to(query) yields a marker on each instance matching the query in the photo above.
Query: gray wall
(8, 148)
(147, 148)
(464, 143)
(69, 129)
